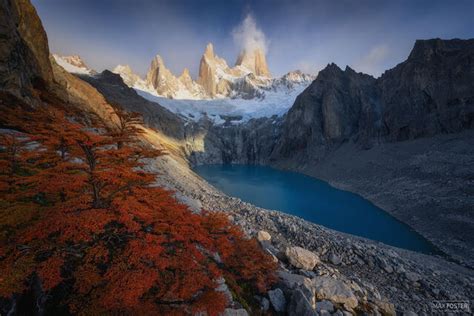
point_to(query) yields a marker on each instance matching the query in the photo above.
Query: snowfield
(275, 102)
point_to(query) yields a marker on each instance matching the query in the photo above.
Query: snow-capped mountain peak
(249, 79)
(254, 61)
(73, 64)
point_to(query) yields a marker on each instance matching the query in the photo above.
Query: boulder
(299, 305)
(290, 280)
(264, 304)
(384, 265)
(263, 236)
(277, 299)
(334, 258)
(301, 258)
(335, 291)
(412, 276)
(324, 306)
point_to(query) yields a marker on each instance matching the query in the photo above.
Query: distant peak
(349, 69)
(122, 68)
(209, 52)
(331, 68)
(73, 64)
(254, 60)
(74, 60)
(185, 73)
(158, 60)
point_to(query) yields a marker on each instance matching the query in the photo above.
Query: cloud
(247, 36)
(372, 63)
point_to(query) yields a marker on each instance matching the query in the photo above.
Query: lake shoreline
(313, 200)
(386, 272)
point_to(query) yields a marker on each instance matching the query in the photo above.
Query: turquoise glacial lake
(315, 201)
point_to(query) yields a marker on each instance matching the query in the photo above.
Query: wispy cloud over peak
(248, 36)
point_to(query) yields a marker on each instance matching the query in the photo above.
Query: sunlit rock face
(254, 61)
(215, 76)
(160, 78)
(24, 52)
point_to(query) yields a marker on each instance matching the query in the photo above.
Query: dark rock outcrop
(337, 106)
(24, 52)
(248, 143)
(432, 92)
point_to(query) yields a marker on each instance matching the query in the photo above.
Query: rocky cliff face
(254, 61)
(212, 70)
(249, 143)
(160, 78)
(335, 107)
(24, 53)
(431, 92)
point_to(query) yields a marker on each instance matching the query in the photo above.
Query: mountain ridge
(249, 79)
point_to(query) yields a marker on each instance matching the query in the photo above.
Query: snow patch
(276, 101)
(73, 64)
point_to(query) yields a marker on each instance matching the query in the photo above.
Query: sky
(370, 36)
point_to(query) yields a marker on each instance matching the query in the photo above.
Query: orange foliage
(77, 207)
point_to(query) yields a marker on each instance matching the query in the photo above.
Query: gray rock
(384, 265)
(290, 280)
(235, 312)
(301, 258)
(277, 299)
(334, 259)
(400, 269)
(224, 289)
(299, 305)
(412, 276)
(324, 305)
(335, 291)
(264, 304)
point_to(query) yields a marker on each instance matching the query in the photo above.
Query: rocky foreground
(324, 272)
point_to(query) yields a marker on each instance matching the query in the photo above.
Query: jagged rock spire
(254, 61)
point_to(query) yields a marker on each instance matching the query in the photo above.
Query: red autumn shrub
(79, 213)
